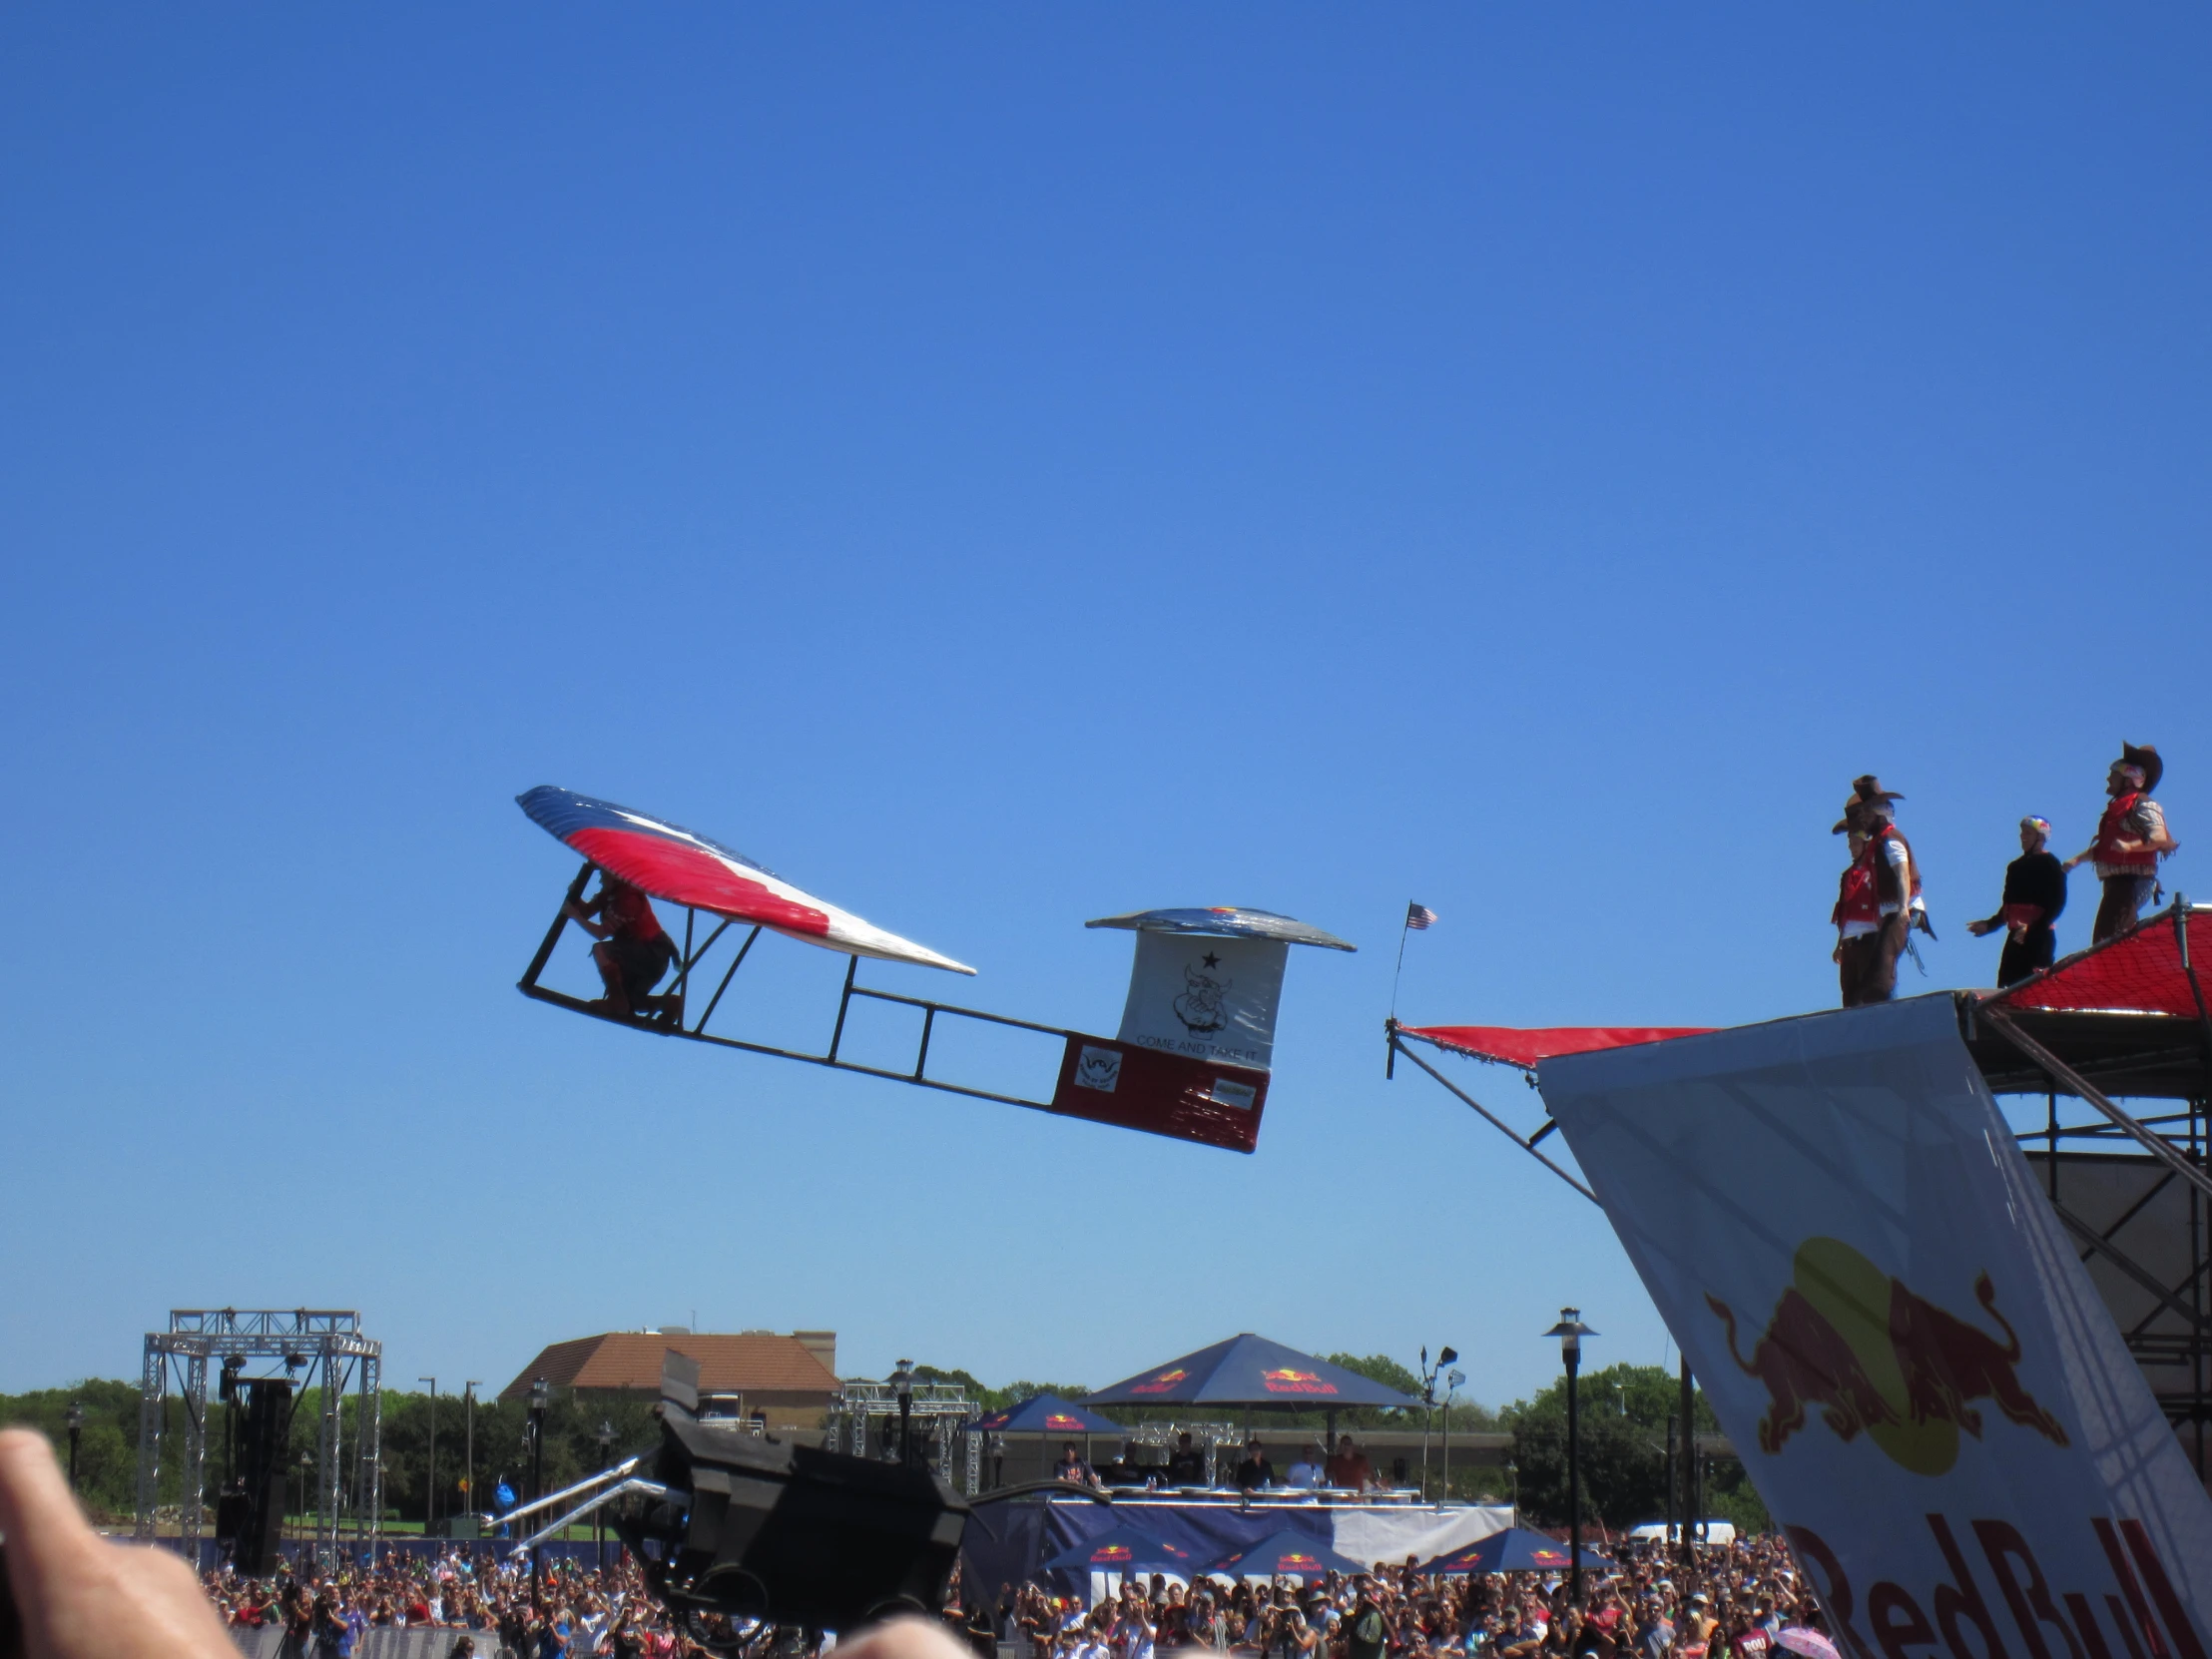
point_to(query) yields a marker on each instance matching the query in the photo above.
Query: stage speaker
(268, 1435)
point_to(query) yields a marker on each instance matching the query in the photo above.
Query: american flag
(1419, 916)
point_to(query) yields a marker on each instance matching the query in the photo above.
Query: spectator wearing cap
(2035, 895)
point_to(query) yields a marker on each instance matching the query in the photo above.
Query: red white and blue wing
(687, 868)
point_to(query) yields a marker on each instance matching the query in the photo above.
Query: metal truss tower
(867, 1414)
(326, 1346)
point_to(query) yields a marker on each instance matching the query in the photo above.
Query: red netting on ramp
(2138, 973)
(1519, 1046)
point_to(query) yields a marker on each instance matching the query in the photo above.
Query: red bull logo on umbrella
(1876, 1357)
(1161, 1383)
(1109, 1554)
(1288, 1381)
(1060, 1419)
(1298, 1561)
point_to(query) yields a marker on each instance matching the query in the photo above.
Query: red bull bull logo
(1297, 1561)
(1876, 1358)
(1108, 1555)
(1060, 1419)
(1288, 1382)
(1160, 1384)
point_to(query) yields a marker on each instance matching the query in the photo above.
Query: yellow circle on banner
(1852, 1295)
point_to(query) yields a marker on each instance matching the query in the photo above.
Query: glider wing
(686, 869)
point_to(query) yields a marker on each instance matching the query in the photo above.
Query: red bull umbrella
(1045, 1415)
(1248, 1370)
(1125, 1548)
(1516, 1550)
(1284, 1553)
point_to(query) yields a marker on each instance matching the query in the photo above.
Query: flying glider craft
(1190, 1060)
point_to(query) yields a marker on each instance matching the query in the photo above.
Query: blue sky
(1000, 466)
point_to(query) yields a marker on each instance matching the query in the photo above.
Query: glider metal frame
(690, 959)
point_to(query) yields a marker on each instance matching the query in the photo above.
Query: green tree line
(1624, 1412)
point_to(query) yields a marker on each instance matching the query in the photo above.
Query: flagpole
(1404, 927)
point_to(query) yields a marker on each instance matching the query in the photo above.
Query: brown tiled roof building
(789, 1379)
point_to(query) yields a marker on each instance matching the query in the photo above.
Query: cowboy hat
(2145, 757)
(1865, 791)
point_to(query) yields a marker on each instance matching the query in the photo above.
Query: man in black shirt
(2035, 895)
(1187, 1466)
(1254, 1471)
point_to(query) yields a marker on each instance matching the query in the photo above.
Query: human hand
(1977, 928)
(82, 1597)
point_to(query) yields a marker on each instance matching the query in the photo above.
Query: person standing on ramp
(2035, 895)
(2131, 838)
(1880, 900)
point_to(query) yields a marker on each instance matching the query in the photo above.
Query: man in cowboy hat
(2131, 838)
(1880, 900)
(2034, 894)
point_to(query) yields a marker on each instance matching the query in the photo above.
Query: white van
(1659, 1532)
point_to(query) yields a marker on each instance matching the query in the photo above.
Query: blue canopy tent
(1045, 1415)
(1516, 1550)
(1284, 1553)
(1255, 1374)
(1125, 1548)
(1248, 1370)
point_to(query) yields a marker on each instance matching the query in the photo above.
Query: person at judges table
(1880, 900)
(2131, 838)
(2034, 898)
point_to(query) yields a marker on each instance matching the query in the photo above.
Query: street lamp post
(431, 1490)
(1513, 1473)
(902, 1384)
(540, 1395)
(75, 1418)
(1444, 1357)
(468, 1440)
(1570, 1331)
(1454, 1381)
(606, 1438)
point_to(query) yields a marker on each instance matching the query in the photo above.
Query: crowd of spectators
(489, 1603)
(1733, 1603)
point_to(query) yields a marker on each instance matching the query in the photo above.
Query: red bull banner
(1896, 1334)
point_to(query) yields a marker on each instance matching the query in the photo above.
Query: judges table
(1008, 1542)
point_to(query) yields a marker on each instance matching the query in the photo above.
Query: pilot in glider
(1192, 1059)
